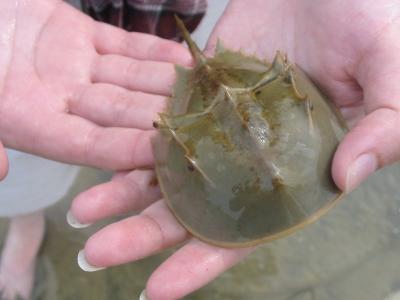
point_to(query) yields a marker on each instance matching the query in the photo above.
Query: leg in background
(18, 259)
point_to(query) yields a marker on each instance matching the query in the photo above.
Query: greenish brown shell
(245, 147)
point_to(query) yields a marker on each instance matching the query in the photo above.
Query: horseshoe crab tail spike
(198, 56)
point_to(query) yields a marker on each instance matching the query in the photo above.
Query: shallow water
(351, 253)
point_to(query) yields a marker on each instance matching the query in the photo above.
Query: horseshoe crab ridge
(244, 149)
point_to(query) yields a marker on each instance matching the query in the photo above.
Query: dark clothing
(148, 16)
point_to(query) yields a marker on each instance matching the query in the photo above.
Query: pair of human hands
(86, 93)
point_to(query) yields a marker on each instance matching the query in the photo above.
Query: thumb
(375, 141)
(3, 162)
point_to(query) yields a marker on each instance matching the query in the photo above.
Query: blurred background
(352, 253)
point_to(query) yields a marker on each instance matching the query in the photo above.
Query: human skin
(18, 255)
(349, 47)
(68, 86)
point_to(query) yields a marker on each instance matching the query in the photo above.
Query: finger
(190, 268)
(111, 148)
(375, 140)
(135, 237)
(3, 162)
(110, 105)
(138, 75)
(112, 40)
(71, 139)
(373, 143)
(131, 192)
(353, 114)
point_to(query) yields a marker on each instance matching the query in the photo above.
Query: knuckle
(90, 145)
(124, 44)
(77, 98)
(132, 68)
(152, 228)
(120, 106)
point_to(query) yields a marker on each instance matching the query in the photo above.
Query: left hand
(69, 86)
(351, 48)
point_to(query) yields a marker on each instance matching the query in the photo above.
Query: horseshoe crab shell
(244, 149)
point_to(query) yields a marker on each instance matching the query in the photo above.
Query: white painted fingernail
(84, 265)
(73, 222)
(143, 295)
(360, 169)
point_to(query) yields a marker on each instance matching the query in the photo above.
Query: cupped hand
(349, 47)
(79, 91)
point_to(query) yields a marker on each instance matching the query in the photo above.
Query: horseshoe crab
(244, 149)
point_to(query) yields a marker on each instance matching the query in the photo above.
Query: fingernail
(143, 295)
(360, 169)
(73, 222)
(84, 265)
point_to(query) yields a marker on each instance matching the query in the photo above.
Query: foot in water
(18, 260)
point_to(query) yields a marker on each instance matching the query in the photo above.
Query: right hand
(328, 37)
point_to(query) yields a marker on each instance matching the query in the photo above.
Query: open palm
(69, 86)
(350, 48)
